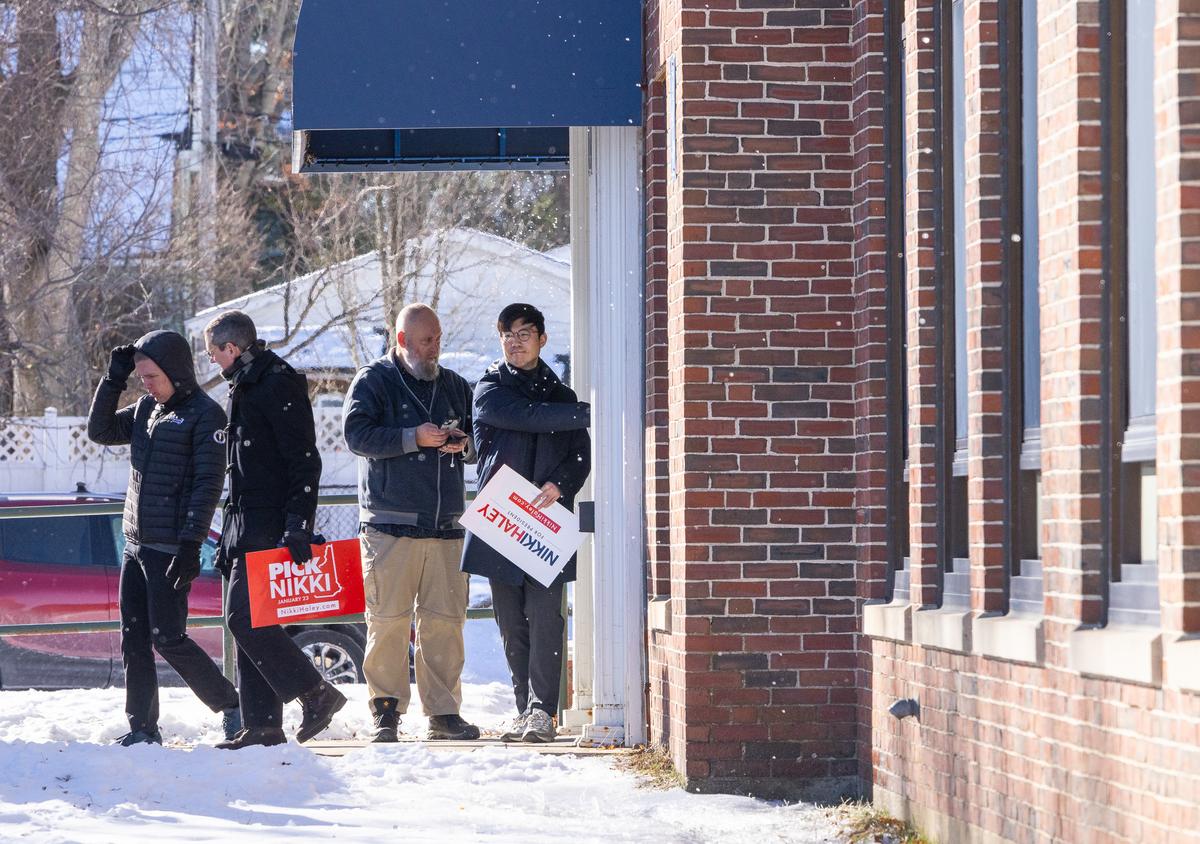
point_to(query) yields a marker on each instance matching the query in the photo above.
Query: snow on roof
(333, 320)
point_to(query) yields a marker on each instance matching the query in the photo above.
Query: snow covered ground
(60, 780)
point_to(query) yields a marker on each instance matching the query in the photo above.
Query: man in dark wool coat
(274, 477)
(528, 420)
(177, 468)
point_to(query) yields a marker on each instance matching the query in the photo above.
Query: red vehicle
(67, 568)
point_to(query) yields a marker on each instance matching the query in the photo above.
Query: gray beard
(421, 370)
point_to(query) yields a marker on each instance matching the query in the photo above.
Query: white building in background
(330, 322)
(327, 324)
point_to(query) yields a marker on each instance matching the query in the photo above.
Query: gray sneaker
(539, 728)
(516, 732)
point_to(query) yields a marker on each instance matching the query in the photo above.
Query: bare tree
(66, 58)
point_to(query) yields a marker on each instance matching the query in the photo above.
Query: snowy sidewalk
(61, 781)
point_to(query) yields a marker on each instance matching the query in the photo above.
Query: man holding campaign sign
(534, 455)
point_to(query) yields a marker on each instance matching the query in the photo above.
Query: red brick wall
(1039, 752)
(767, 276)
(758, 669)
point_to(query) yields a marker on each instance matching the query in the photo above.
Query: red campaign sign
(282, 592)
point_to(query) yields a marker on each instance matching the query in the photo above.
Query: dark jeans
(154, 617)
(271, 667)
(531, 627)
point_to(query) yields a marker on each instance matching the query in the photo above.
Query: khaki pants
(398, 574)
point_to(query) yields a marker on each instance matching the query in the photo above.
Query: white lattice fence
(52, 453)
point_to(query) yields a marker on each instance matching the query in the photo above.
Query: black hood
(173, 355)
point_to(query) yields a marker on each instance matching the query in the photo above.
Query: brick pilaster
(1178, 414)
(985, 287)
(1069, 164)
(924, 350)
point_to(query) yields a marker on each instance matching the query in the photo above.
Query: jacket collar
(250, 365)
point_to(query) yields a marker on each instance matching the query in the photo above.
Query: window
(1025, 533)
(956, 591)
(1128, 478)
(1134, 595)
(61, 540)
(896, 146)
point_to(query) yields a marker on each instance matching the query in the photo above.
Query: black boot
(386, 718)
(231, 723)
(149, 736)
(451, 728)
(319, 705)
(252, 736)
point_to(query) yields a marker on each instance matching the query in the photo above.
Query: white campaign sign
(540, 542)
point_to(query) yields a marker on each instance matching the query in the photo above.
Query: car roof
(21, 499)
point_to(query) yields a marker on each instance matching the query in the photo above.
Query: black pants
(154, 617)
(271, 667)
(531, 627)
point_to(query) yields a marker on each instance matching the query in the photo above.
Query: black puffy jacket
(177, 451)
(274, 464)
(532, 423)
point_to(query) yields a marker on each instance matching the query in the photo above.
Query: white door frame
(607, 362)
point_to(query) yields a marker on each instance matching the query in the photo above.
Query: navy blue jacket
(399, 482)
(532, 423)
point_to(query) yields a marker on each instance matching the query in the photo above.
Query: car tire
(337, 656)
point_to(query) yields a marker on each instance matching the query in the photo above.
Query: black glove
(185, 566)
(120, 363)
(298, 541)
(222, 563)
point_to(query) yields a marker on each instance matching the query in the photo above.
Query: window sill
(1182, 658)
(1015, 637)
(658, 615)
(888, 621)
(1118, 653)
(948, 629)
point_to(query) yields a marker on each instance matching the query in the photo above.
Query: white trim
(582, 659)
(616, 317)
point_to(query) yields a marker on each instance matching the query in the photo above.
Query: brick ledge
(1016, 637)
(887, 621)
(1181, 656)
(658, 614)
(942, 628)
(1118, 652)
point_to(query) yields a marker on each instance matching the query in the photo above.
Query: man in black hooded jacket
(274, 476)
(528, 420)
(177, 452)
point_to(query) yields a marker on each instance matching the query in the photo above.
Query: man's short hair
(234, 327)
(517, 310)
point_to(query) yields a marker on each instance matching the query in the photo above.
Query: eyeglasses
(523, 336)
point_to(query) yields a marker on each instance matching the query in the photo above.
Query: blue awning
(467, 64)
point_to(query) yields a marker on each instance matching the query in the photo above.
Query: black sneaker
(231, 723)
(140, 737)
(451, 728)
(386, 720)
(319, 706)
(254, 736)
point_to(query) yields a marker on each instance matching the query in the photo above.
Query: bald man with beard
(409, 421)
